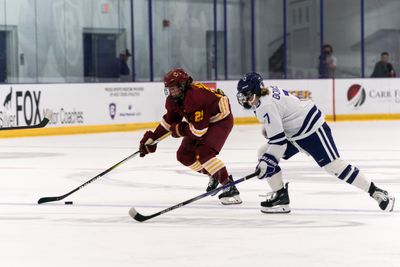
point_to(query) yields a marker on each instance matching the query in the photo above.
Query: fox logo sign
(27, 103)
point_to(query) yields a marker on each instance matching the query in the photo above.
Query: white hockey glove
(268, 166)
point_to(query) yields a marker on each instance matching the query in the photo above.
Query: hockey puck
(68, 202)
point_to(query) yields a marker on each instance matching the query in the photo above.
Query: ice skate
(212, 184)
(230, 195)
(277, 202)
(385, 202)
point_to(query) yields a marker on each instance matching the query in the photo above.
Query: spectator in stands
(383, 68)
(327, 62)
(124, 71)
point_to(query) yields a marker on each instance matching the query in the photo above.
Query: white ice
(331, 224)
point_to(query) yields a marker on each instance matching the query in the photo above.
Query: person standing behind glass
(124, 71)
(383, 68)
(327, 62)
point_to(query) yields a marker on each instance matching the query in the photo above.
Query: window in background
(56, 41)
(105, 51)
(23, 14)
(382, 33)
(3, 56)
(239, 42)
(180, 32)
(342, 30)
(270, 51)
(50, 39)
(303, 38)
(8, 46)
(218, 47)
(141, 40)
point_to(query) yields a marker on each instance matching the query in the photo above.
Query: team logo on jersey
(356, 95)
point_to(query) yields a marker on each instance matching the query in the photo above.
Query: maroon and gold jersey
(201, 106)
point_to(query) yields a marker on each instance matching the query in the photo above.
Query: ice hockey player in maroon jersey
(203, 118)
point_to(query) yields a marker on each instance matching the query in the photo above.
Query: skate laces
(269, 195)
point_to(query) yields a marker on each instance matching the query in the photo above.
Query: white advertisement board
(81, 104)
(130, 103)
(367, 96)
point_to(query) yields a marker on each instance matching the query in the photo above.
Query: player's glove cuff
(268, 166)
(179, 129)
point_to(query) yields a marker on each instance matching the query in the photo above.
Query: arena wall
(107, 107)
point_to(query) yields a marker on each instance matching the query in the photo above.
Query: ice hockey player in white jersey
(292, 125)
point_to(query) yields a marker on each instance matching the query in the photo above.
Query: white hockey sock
(348, 173)
(362, 182)
(275, 181)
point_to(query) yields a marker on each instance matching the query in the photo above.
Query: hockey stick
(141, 218)
(57, 198)
(42, 124)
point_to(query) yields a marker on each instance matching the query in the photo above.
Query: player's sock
(277, 201)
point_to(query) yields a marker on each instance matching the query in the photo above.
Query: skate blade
(276, 209)
(231, 200)
(390, 206)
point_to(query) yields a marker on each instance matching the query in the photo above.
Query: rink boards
(103, 107)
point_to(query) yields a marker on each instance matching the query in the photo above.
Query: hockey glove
(146, 146)
(179, 129)
(268, 166)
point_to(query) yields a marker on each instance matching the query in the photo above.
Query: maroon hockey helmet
(177, 78)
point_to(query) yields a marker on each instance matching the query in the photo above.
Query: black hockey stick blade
(137, 216)
(42, 124)
(50, 199)
(141, 218)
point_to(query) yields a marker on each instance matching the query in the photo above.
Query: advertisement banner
(134, 102)
(81, 104)
(121, 104)
(367, 96)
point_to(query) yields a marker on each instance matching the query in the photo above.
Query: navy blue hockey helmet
(248, 86)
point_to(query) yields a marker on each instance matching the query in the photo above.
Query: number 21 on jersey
(198, 116)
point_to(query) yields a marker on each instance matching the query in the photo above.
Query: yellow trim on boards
(363, 117)
(246, 120)
(78, 129)
(151, 125)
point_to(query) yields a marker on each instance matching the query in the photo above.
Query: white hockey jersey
(286, 118)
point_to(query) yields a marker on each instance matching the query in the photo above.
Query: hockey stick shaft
(42, 124)
(57, 198)
(141, 218)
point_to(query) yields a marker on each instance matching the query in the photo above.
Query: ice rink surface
(331, 224)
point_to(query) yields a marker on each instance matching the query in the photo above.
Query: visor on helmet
(244, 98)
